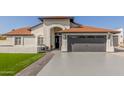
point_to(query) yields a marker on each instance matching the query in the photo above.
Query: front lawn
(10, 64)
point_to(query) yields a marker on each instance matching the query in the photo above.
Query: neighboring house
(61, 33)
(119, 38)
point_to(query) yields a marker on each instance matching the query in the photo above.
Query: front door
(57, 42)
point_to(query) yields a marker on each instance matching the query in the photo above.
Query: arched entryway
(56, 38)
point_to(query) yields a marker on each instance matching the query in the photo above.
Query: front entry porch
(56, 38)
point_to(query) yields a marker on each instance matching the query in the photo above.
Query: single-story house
(62, 33)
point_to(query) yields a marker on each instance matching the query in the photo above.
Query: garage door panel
(87, 44)
(88, 47)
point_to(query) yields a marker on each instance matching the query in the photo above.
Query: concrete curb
(34, 68)
(119, 54)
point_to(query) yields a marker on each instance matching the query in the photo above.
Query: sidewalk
(34, 68)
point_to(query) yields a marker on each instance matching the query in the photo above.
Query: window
(17, 40)
(40, 40)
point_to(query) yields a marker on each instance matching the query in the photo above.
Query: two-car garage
(86, 43)
(88, 39)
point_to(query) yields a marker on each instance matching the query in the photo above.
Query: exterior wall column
(109, 43)
(47, 36)
(64, 46)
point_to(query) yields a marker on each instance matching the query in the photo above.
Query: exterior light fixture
(65, 36)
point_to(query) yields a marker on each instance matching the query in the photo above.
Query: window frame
(18, 40)
(40, 40)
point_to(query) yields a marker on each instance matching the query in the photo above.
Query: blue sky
(11, 22)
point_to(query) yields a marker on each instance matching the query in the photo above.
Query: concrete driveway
(84, 64)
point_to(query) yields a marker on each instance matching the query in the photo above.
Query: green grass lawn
(10, 64)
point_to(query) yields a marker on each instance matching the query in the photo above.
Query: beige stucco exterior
(120, 37)
(51, 23)
(27, 45)
(30, 45)
(8, 41)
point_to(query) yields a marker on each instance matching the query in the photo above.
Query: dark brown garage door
(86, 43)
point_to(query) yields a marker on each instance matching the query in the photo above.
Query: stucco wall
(26, 40)
(120, 37)
(8, 41)
(64, 46)
(45, 28)
(19, 49)
(27, 46)
(38, 30)
(29, 43)
(29, 40)
(63, 22)
(51, 23)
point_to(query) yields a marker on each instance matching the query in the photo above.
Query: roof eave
(17, 35)
(114, 32)
(66, 17)
(35, 26)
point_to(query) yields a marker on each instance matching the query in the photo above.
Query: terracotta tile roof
(89, 29)
(56, 17)
(21, 31)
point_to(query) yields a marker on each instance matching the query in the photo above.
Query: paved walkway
(84, 64)
(34, 68)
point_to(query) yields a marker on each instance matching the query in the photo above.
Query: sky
(7, 23)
